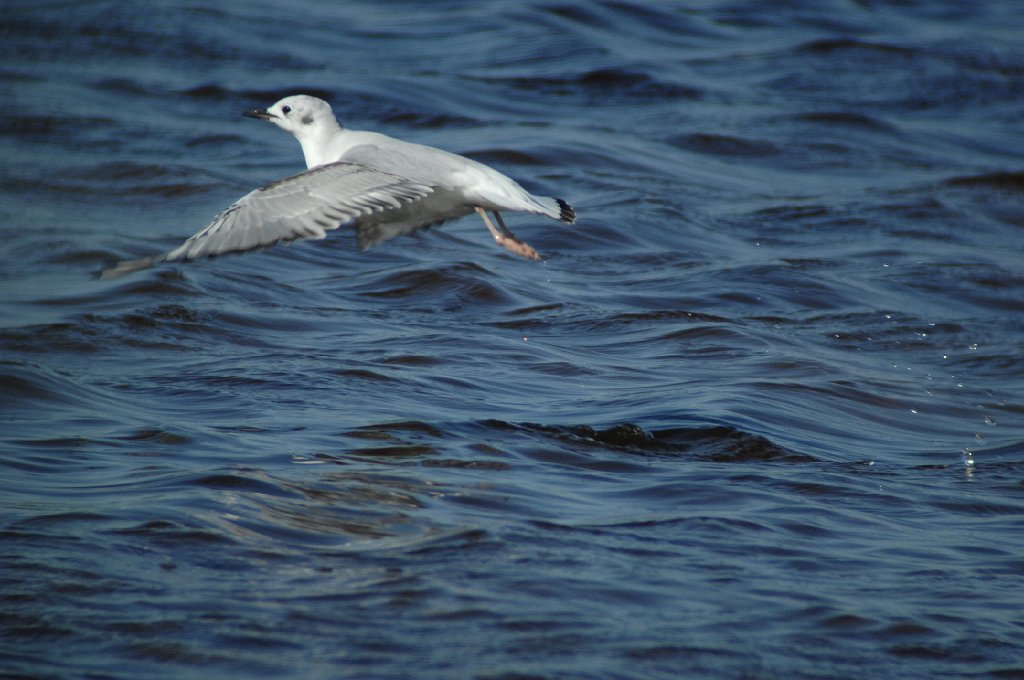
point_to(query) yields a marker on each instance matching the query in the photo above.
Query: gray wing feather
(421, 163)
(304, 206)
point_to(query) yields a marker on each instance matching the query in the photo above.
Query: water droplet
(968, 457)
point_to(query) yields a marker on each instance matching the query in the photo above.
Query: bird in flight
(382, 186)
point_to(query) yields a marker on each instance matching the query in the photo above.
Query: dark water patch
(241, 483)
(218, 92)
(634, 84)
(704, 341)
(652, 24)
(122, 171)
(726, 444)
(214, 91)
(62, 337)
(452, 542)
(360, 494)
(890, 76)
(31, 390)
(1002, 181)
(793, 212)
(91, 259)
(205, 142)
(546, 316)
(157, 436)
(130, 178)
(973, 283)
(847, 120)
(724, 145)
(982, 509)
(51, 128)
(24, 384)
(446, 288)
(15, 76)
(408, 451)
(363, 374)
(579, 14)
(848, 622)
(166, 283)
(605, 85)
(719, 443)
(172, 313)
(394, 431)
(428, 120)
(510, 157)
(59, 519)
(493, 465)
(164, 326)
(411, 360)
(170, 534)
(830, 46)
(786, 286)
(176, 654)
(928, 210)
(666, 315)
(123, 86)
(31, 631)
(122, 34)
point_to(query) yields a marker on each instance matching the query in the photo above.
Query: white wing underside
(304, 206)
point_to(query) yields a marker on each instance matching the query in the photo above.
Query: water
(759, 414)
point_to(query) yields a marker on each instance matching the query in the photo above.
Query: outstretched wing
(306, 205)
(303, 206)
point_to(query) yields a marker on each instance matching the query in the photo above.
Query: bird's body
(382, 186)
(460, 184)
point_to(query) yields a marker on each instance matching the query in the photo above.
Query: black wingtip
(567, 214)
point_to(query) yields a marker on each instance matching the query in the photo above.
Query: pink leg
(494, 232)
(505, 238)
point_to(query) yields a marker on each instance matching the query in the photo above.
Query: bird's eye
(286, 110)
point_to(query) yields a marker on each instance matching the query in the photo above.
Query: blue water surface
(758, 413)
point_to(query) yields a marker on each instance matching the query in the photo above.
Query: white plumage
(382, 186)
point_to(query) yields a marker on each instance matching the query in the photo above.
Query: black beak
(262, 114)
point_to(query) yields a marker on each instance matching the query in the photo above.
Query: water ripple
(766, 389)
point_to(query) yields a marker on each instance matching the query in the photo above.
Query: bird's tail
(556, 208)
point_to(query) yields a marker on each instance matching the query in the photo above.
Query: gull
(381, 186)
